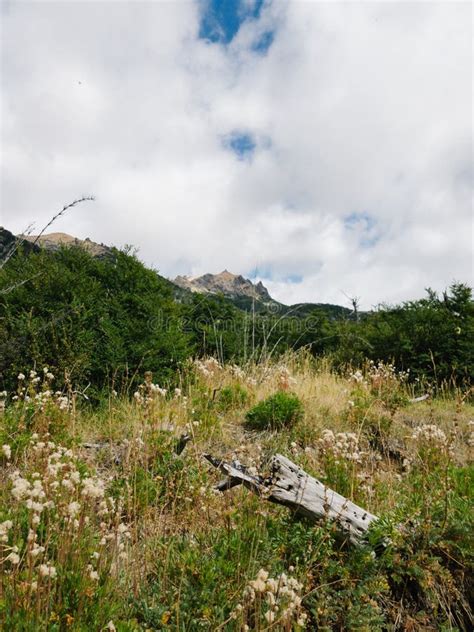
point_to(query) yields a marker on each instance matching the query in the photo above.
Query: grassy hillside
(103, 526)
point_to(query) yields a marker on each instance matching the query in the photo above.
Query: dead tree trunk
(292, 487)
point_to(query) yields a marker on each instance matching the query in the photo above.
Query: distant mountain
(233, 286)
(241, 292)
(249, 296)
(53, 241)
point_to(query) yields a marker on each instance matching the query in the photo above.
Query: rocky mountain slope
(53, 241)
(230, 285)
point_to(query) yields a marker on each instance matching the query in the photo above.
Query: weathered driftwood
(292, 487)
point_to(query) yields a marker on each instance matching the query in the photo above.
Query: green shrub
(234, 396)
(278, 411)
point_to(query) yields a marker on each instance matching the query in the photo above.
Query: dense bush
(92, 319)
(102, 319)
(277, 412)
(432, 336)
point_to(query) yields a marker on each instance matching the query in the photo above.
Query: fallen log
(292, 487)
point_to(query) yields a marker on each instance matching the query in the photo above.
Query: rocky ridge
(53, 241)
(230, 285)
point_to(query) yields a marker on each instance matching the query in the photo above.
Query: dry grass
(177, 555)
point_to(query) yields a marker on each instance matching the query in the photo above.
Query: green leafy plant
(282, 410)
(233, 396)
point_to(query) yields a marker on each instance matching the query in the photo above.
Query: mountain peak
(53, 241)
(226, 283)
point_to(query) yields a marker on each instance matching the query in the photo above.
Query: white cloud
(356, 108)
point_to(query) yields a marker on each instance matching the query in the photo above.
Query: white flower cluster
(148, 392)
(342, 445)
(207, 367)
(470, 436)
(379, 374)
(47, 570)
(13, 556)
(386, 372)
(75, 500)
(237, 372)
(39, 392)
(4, 529)
(357, 377)
(280, 597)
(3, 396)
(431, 434)
(7, 451)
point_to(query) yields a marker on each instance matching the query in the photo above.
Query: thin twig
(89, 198)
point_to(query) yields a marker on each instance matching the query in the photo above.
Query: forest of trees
(104, 320)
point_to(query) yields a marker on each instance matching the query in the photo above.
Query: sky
(324, 148)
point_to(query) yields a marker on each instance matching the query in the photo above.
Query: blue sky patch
(261, 272)
(241, 144)
(221, 20)
(359, 220)
(264, 42)
(366, 226)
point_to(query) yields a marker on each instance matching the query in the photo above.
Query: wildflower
(34, 506)
(46, 570)
(7, 451)
(111, 627)
(4, 528)
(73, 509)
(32, 536)
(93, 488)
(21, 486)
(36, 550)
(75, 477)
(94, 575)
(21, 377)
(430, 433)
(13, 558)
